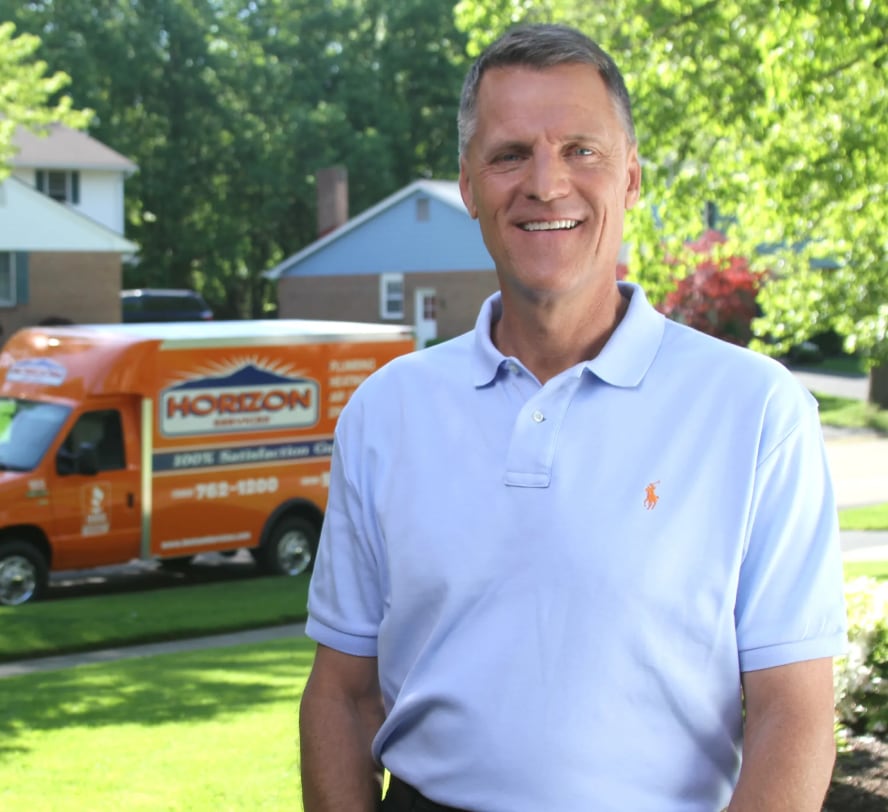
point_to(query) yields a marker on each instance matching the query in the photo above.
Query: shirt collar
(623, 361)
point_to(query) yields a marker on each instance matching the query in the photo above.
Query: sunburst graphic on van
(234, 364)
(243, 394)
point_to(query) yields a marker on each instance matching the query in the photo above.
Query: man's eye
(583, 152)
(507, 157)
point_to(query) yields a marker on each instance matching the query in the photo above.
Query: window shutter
(75, 188)
(40, 177)
(21, 278)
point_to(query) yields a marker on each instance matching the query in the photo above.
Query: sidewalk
(16, 669)
(859, 467)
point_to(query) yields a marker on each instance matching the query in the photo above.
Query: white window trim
(386, 280)
(10, 302)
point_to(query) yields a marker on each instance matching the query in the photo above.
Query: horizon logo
(250, 398)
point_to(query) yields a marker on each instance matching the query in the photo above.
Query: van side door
(95, 487)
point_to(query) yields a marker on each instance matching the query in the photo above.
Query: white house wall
(31, 221)
(101, 195)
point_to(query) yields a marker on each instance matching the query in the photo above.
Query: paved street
(859, 467)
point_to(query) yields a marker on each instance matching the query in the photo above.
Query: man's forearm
(338, 771)
(778, 776)
(788, 746)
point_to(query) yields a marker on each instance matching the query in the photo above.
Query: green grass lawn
(850, 413)
(871, 517)
(866, 569)
(80, 624)
(207, 731)
(203, 731)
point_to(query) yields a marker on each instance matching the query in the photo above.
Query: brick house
(61, 230)
(414, 258)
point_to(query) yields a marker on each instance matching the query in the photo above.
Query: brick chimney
(332, 185)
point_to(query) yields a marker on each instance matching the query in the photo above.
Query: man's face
(549, 174)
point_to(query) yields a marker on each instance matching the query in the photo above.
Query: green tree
(230, 109)
(779, 112)
(29, 96)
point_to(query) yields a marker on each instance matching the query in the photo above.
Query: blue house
(415, 258)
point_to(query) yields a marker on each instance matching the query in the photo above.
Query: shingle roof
(447, 191)
(64, 148)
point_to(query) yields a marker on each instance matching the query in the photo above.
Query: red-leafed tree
(719, 296)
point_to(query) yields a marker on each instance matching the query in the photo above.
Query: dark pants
(402, 797)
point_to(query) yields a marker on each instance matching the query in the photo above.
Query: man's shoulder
(691, 349)
(748, 388)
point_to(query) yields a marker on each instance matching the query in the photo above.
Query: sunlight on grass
(81, 624)
(202, 731)
(871, 517)
(866, 569)
(850, 413)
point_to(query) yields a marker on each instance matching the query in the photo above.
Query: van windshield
(27, 428)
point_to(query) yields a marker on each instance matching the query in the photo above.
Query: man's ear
(633, 174)
(465, 189)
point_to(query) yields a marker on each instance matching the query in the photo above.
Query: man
(582, 558)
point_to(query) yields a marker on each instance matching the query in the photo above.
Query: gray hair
(541, 46)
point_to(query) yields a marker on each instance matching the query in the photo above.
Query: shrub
(861, 677)
(718, 298)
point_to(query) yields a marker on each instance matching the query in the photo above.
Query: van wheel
(24, 574)
(290, 547)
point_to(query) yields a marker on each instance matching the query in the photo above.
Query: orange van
(162, 441)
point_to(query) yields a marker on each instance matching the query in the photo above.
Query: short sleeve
(344, 602)
(790, 602)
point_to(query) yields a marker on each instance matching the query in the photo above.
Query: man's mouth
(550, 225)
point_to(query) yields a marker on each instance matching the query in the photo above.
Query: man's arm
(340, 713)
(788, 740)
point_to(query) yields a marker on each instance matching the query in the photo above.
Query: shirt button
(514, 368)
(538, 417)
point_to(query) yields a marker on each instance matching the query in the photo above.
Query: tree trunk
(878, 386)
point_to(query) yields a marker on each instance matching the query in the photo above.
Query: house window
(391, 296)
(7, 279)
(59, 185)
(423, 213)
(429, 308)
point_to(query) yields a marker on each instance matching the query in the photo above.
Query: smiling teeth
(550, 225)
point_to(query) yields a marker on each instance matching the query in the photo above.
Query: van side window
(102, 430)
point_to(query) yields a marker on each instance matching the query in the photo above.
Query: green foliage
(776, 111)
(29, 96)
(861, 677)
(229, 109)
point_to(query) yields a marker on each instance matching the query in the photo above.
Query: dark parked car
(152, 304)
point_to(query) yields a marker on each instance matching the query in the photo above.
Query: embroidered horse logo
(651, 498)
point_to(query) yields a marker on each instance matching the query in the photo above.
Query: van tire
(24, 573)
(290, 547)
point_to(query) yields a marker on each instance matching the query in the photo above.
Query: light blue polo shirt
(562, 583)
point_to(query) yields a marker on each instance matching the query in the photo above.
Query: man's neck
(549, 337)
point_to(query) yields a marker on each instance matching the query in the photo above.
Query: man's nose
(547, 177)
